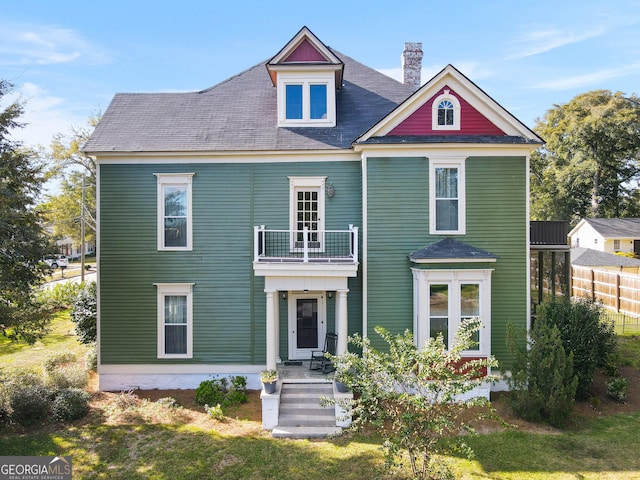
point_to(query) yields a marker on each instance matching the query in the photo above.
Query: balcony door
(307, 212)
(307, 324)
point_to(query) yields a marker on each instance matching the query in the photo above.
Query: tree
(589, 164)
(23, 241)
(75, 169)
(542, 382)
(414, 397)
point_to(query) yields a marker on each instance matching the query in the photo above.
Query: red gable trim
(305, 52)
(472, 122)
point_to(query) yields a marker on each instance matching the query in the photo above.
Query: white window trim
(296, 183)
(166, 289)
(458, 163)
(422, 279)
(167, 180)
(456, 112)
(306, 80)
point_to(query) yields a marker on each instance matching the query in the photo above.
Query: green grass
(606, 449)
(629, 350)
(61, 338)
(135, 445)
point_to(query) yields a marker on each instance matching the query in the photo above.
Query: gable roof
(239, 114)
(305, 49)
(498, 123)
(451, 250)
(587, 257)
(612, 227)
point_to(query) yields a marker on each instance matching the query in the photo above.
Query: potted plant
(269, 379)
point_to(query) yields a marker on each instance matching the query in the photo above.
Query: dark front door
(307, 323)
(636, 247)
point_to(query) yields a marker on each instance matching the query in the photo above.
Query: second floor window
(445, 113)
(447, 197)
(174, 211)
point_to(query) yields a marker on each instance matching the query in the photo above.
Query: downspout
(364, 236)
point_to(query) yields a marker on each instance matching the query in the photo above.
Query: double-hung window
(174, 211)
(175, 320)
(447, 199)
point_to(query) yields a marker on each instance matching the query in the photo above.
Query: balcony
(549, 235)
(305, 246)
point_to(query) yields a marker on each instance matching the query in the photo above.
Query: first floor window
(444, 299)
(175, 324)
(174, 211)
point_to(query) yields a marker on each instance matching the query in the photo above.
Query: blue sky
(67, 59)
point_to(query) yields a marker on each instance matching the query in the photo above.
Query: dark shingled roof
(451, 248)
(240, 114)
(587, 257)
(503, 139)
(616, 227)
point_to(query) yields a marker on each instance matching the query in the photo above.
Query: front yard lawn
(134, 436)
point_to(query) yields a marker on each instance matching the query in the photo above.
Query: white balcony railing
(304, 246)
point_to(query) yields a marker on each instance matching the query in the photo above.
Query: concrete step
(301, 415)
(305, 432)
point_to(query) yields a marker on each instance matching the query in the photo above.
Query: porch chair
(318, 359)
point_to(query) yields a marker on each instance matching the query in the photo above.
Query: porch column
(342, 323)
(271, 330)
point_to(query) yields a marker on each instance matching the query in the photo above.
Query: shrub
(414, 398)
(222, 391)
(62, 371)
(582, 332)
(29, 404)
(617, 388)
(91, 358)
(542, 382)
(70, 404)
(56, 359)
(84, 313)
(214, 412)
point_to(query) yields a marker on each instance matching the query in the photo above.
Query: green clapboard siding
(228, 300)
(398, 223)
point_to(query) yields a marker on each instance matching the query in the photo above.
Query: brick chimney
(412, 63)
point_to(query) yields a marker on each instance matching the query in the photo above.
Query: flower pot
(269, 387)
(341, 387)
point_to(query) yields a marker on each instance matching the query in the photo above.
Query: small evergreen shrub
(29, 404)
(84, 314)
(70, 404)
(222, 391)
(543, 384)
(582, 332)
(617, 388)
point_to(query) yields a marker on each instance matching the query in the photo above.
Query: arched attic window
(446, 112)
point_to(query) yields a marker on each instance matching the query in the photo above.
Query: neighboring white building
(609, 235)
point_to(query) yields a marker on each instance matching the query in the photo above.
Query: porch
(305, 267)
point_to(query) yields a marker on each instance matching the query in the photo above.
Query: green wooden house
(307, 194)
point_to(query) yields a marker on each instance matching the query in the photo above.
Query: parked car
(55, 261)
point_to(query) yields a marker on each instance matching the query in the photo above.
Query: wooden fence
(618, 291)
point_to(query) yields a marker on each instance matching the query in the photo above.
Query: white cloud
(588, 79)
(44, 116)
(541, 41)
(30, 44)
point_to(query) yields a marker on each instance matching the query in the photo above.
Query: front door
(307, 324)
(636, 247)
